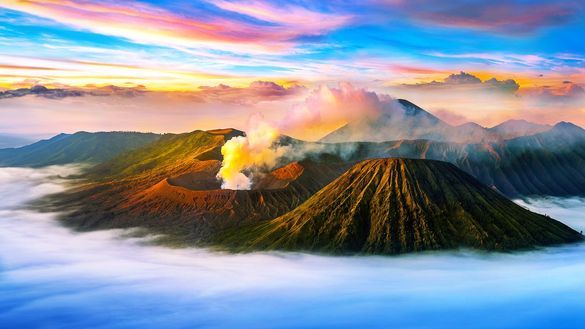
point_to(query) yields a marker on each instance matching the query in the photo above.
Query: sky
(206, 63)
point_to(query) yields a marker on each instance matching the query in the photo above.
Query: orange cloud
(23, 67)
(257, 91)
(82, 72)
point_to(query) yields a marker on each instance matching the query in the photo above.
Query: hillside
(172, 154)
(75, 148)
(392, 206)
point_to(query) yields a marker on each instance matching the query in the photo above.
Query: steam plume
(245, 153)
(324, 109)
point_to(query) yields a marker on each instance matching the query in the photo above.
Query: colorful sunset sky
(185, 65)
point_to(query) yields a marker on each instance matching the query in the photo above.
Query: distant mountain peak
(413, 109)
(471, 125)
(517, 128)
(516, 121)
(408, 121)
(567, 125)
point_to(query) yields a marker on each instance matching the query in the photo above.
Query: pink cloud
(301, 19)
(451, 117)
(148, 24)
(257, 91)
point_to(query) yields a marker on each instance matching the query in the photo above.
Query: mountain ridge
(413, 122)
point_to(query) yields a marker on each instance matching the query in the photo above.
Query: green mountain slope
(392, 206)
(79, 147)
(172, 154)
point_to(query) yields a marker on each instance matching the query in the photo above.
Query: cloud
(41, 91)
(148, 24)
(568, 91)
(466, 80)
(327, 108)
(565, 102)
(461, 79)
(499, 16)
(524, 60)
(138, 109)
(414, 69)
(257, 91)
(67, 91)
(303, 20)
(116, 68)
(451, 117)
(324, 108)
(255, 151)
(24, 67)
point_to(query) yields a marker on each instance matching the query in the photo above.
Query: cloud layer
(466, 80)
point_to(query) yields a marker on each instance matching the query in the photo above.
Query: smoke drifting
(324, 109)
(255, 150)
(51, 277)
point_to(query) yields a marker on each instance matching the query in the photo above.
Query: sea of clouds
(51, 277)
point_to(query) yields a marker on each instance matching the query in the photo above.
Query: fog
(51, 277)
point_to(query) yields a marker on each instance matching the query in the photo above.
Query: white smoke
(323, 110)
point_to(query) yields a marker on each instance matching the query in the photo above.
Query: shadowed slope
(391, 206)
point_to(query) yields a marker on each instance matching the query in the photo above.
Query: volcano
(171, 187)
(409, 121)
(393, 206)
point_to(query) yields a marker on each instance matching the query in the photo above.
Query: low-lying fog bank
(51, 277)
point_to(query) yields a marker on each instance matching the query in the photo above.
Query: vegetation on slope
(391, 206)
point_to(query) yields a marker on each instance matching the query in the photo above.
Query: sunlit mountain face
(292, 164)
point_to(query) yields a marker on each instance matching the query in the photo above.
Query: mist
(51, 277)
